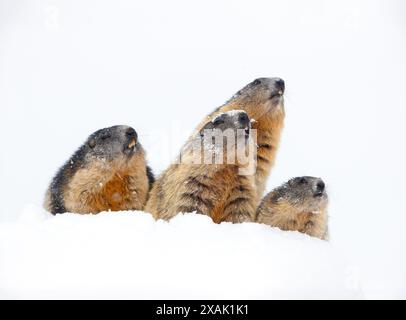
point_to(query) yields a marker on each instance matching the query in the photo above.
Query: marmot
(108, 172)
(298, 205)
(217, 190)
(263, 101)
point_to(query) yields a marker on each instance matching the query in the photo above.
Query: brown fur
(216, 190)
(121, 186)
(107, 173)
(285, 213)
(262, 100)
(269, 129)
(269, 122)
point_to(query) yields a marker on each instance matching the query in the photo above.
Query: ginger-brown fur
(262, 99)
(216, 190)
(113, 178)
(120, 186)
(298, 205)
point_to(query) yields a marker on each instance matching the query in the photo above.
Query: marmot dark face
(111, 143)
(227, 139)
(220, 140)
(304, 194)
(233, 126)
(234, 119)
(261, 92)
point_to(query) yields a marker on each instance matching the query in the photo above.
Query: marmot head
(234, 119)
(266, 94)
(233, 126)
(301, 194)
(111, 143)
(227, 139)
(224, 136)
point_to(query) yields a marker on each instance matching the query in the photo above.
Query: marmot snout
(108, 172)
(298, 205)
(264, 93)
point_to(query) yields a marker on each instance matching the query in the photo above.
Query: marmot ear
(92, 143)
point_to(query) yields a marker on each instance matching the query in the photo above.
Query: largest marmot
(108, 172)
(263, 101)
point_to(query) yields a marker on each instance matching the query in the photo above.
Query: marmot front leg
(197, 196)
(241, 205)
(240, 210)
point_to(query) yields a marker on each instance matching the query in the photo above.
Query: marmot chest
(303, 221)
(226, 180)
(117, 191)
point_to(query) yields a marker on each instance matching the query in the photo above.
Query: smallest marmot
(298, 205)
(108, 172)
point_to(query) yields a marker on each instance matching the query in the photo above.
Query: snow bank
(129, 255)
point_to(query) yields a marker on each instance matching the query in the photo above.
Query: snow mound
(129, 255)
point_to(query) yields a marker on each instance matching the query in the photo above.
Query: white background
(68, 68)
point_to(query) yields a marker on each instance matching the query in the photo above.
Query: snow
(68, 69)
(130, 255)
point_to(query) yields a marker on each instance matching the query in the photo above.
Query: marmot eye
(92, 143)
(256, 82)
(302, 181)
(105, 137)
(217, 122)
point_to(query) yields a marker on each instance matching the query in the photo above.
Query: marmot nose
(243, 118)
(320, 186)
(279, 84)
(131, 133)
